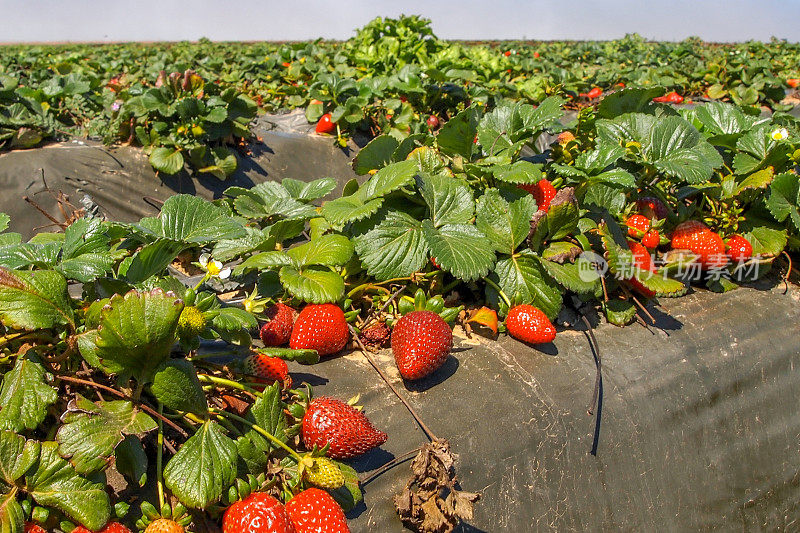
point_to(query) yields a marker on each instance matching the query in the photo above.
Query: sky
(172, 20)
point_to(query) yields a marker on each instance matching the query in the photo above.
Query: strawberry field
(179, 372)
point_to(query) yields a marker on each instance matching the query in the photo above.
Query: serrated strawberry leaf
(12, 517)
(349, 494)
(784, 198)
(455, 136)
(268, 413)
(34, 300)
(449, 199)
(263, 261)
(266, 200)
(136, 333)
(254, 240)
(306, 191)
(505, 224)
(388, 179)
(131, 461)
(203, 467)
(765, 240)
(460, 249)
(91, 431)
(191, 219)
(24, 395)
(619, 312)
(520, 172)
(573, 277)
(330, 249)
(314, 284)
(523, 279)
(17, 456)
(376, 154)
(395, 248)
(350, 209)
(54, 483)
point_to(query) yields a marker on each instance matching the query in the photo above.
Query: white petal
(225, 273)
(203, 260)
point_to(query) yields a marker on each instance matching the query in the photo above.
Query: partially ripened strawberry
(739, 248)
(637, 225)
(278, 330)
(543, 192)
(348, 431)
(111, 527)
(652, 208)
(320, 327)
(643, 261)
(421, 343)
(258, 513)
(651, 238)
(564, 137)
(30, 527)
(163, 525)
(315, 511)
(529, 324)
(267, 369)
(700, 240)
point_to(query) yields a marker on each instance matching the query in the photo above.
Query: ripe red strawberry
(637, 225)
(651, 239)
(652, 208)
(111, 527)
(507, 53)
(30, 527)
(267, 369)
(643, 261)
(596, 92)
(433, 122)
(697, 237)
(315, 511)
(793, 82)
(421, 342)
(537, 55)
(739, 248)
(543, 192)
(258, 513)
(529, 324)
(320, 327)
(325, 125)
(163, 525)
(670, 98)
(277, 331)
(348, 431)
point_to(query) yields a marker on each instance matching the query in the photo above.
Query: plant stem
(260, 430)
(496, 287)
(222, 382)
(160, 458)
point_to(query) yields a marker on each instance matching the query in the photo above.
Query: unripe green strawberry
(162, 525)
(191, 323)
(529, 324)
(315, 511)
(325, 474)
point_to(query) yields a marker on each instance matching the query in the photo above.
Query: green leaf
(308, 191)
(17, 456)
(620, 312)
(263, 261)
(376, 154)
(269, 199)
(628, 101)
(166, 160)
(524, 280)
(395, 248)
(34, 300)
(782, 202)
(388, 179)
(330, 249)
(87, 267)
(456, 135)
(766, 241)
(460, 249)
(603, 197)
(449, 199)
(203, 467)
(520, 172)
(131, 460)
(152, 259)
(54, 483)
(137, 331)
(313, 284)
(4, 220)
(505, 224)
(349, 494)
(191, 219)
(569, 275)
(25, 395)
(12, 517)
(176, 385)
(91, 431)
(255, 239)
(349, 209)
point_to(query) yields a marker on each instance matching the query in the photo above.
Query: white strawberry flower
(780, 134)
(213, 268)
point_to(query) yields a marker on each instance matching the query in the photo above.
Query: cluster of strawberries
(162, 525)
(710, 249)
